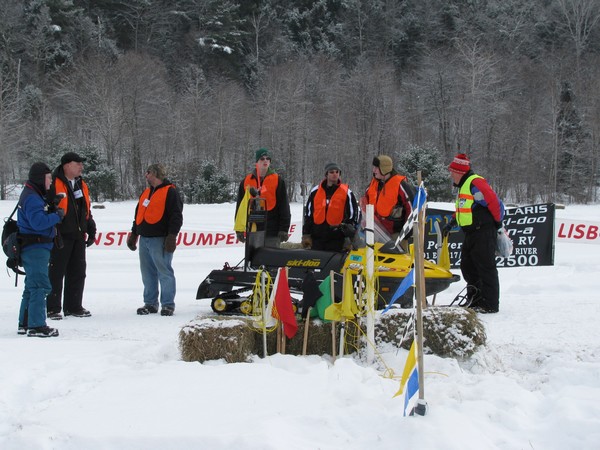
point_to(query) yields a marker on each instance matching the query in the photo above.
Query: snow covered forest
(201, 84)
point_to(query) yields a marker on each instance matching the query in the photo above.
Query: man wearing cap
(271, 187)
(157, 220)
(77, 231)
(391, 194)
(331, 214)
(37, 228)
(479, 213)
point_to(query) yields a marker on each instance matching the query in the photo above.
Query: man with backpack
(37, 229)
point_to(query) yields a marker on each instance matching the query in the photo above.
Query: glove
(348, 230)
(240, 236)
(132, 241)
(90, 240)
(283, 236)
(347, 244)
(448, 227)
(61, 213)
(306, 241)
(170, 243)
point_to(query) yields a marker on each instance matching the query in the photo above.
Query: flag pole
(283, 337)
(332, 293)
(418, 228)
(306, 325)
(370, 283)
(343, 321)
(263, 310)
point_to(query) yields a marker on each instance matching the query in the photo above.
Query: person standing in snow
(479, 213)
(77, 231)
(37, 228)
(271, 187)
(157, 220)
(391, 194)
(331, 214)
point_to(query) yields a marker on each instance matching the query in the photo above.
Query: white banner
(578, 231)
(186, 239)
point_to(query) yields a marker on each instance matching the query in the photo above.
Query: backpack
(11, 244)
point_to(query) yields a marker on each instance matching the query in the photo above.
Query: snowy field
(116, 381)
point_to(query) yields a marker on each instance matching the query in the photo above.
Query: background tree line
(201, 84)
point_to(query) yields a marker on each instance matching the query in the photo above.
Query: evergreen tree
(434, 173)
(209, 186)
(572, 170)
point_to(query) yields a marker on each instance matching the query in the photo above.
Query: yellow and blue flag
(409, 385)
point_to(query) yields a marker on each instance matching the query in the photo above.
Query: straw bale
(219, 337)
(447, 331)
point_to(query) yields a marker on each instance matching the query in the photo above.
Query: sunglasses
(265, 158)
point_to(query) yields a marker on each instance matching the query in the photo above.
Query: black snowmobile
(231, 287)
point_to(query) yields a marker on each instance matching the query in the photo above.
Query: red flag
(283, 309)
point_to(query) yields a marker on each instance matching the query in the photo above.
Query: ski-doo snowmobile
(231, 287)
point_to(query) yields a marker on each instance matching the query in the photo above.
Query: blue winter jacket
(33, 218)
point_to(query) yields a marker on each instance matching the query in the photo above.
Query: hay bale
(319, 339)
(447, 331)
(209, 338)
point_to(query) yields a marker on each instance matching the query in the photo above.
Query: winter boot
(167, 311)
(147, 309)
(43, 332)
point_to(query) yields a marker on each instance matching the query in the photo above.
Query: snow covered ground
(116, 380)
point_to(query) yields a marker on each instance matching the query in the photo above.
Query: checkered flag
(418, 203)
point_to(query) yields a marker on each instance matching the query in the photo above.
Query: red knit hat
(460, 164)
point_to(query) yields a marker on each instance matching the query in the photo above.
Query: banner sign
(531, 229)
(578, 231)
(185, 239)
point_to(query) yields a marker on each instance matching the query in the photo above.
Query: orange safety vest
(151, 210)
(267, 190)
(386, 199)
(61, 187)
(333, 211)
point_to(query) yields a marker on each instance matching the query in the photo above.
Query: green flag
(325, 299)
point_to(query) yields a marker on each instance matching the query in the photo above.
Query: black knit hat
(332, 166)
(37, 175)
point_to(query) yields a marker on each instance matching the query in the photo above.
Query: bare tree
(581, 16)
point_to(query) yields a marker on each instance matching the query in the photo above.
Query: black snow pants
(67, 264)
(478, 266)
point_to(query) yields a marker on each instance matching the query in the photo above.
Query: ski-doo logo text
(303, 263)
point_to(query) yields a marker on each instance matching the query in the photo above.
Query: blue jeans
(155, 265)
(37, 285)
